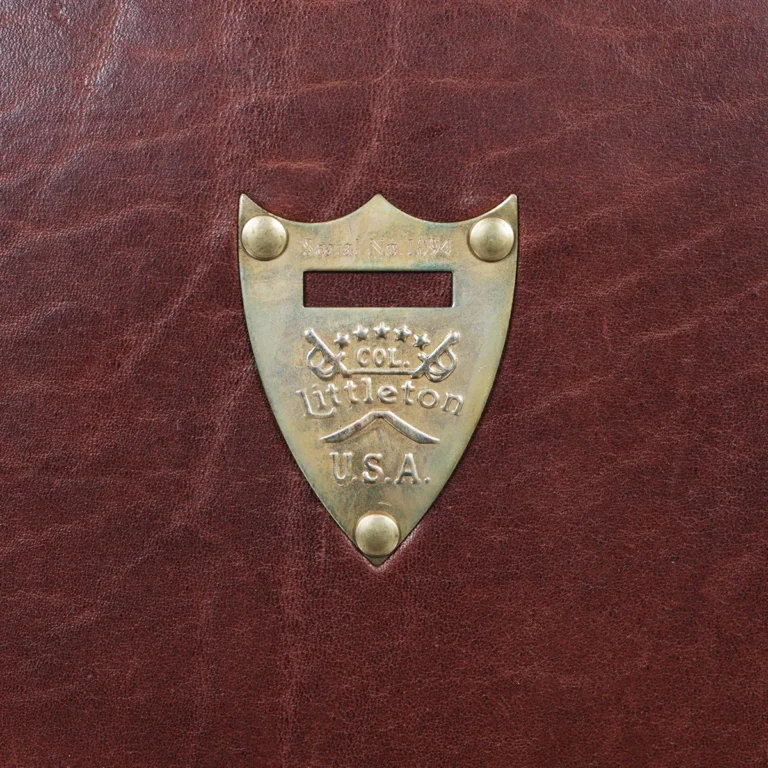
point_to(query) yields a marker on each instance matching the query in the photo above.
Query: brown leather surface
(378, 289)
(590, 588)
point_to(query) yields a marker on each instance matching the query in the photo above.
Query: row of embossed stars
(381, 330)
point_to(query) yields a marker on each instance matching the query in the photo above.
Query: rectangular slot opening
(378, 289)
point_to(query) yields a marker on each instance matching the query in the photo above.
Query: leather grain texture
(590, 588)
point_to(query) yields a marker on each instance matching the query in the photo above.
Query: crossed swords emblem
(436, 365)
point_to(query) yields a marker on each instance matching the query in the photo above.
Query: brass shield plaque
(377, 404)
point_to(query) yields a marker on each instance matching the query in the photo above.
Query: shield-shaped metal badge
(377, 404)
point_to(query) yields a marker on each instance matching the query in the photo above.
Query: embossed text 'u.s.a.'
(377, 405)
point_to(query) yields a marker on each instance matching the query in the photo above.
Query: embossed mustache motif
(393, 420)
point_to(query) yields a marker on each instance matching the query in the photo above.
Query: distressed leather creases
(589, 589)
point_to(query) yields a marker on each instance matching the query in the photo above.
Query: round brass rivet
(264, 237)
(492, 239)
(377, 534)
